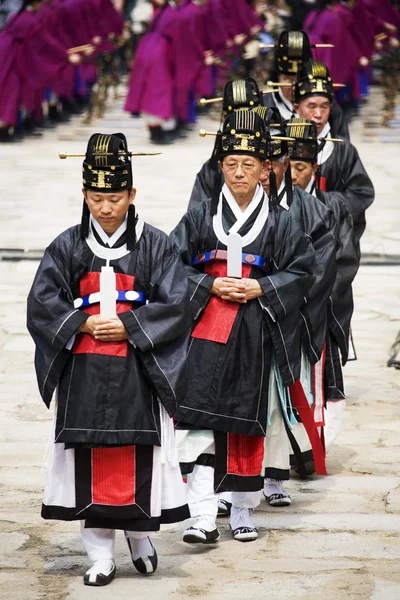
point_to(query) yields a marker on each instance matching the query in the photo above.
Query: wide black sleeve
(338, 122)
(186, 237)
(51, 314)
(203, 185)
(355, 186)
(51, 318)
(165, 317)
(340, 307)
(288, 287)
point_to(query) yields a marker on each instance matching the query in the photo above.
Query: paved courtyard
(340, 538)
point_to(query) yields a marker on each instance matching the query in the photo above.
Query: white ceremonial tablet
(234, 255)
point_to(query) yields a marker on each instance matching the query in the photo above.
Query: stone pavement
(339, 540)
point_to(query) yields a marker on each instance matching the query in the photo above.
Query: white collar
(310, 189)
(328, 148)
(111, 253)
(106, 239)
(241, 218)
(283, 201)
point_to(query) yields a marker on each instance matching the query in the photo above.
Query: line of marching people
(315, 173)
(215, 352)
(49, 50)
(180, 58)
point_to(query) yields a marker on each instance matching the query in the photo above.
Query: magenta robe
(11, 39)
(152, 79)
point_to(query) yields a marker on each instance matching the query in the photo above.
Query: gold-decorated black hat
(241, 93)
(314, 79)
(292, 50)
(243, 132)
(304, 145)
(107, 165)
(275, 130)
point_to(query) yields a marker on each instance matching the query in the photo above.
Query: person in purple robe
(151, 87)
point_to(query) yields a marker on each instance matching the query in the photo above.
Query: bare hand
(105, 330)
(239, 39)
(74, 58)
(236, 290)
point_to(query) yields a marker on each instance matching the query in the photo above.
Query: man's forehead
(242, 157)
(316, 100)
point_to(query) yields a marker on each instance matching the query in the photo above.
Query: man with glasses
(250, 269)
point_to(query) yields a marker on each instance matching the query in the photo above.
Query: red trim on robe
(218, 317)
(322, 183)
(113, 476)
(245, 454)
(86, 343)
(300, 402)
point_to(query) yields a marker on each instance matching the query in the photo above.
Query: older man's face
(315, 108)
(242, 174)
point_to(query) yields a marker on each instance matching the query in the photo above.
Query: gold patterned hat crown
(304, 146)
(241, 93)
(292, 50)
(314, 79)
(107, 164)
(244, 132)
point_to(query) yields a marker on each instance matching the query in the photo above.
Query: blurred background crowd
(63, 57)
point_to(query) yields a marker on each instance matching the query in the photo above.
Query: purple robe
(327, 27)
(151, 83)
(11, 38)
(189, 47)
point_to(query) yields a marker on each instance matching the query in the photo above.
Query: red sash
(217, 320)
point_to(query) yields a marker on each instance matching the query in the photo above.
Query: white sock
(104, 566)
(141, 548)
(206, 522)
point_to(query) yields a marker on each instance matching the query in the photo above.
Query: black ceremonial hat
(242, 93)
(292, 49)
(275, 126)
(107, 165)
(305, 146)
(244, 132)
(314, 79)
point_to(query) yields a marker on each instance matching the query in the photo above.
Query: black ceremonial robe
(342, 171)
(319, 223)
(340, 303)
(232, 346)
(108, 393)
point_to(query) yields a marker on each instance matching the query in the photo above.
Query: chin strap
(131, 228)
(85, 220)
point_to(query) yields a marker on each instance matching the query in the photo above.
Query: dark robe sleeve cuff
(200, 294)
(68, 328)
(137, 334)
(272, 296)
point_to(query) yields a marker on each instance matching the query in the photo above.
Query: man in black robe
(340, 168)
(108, 312)
(318, 223)
(245, 347)
(292, 50)
(303, 152)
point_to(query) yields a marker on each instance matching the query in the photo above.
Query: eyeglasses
(232, 167)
